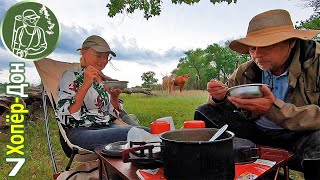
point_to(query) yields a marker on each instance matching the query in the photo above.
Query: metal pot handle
(126, 153)
(256, 150)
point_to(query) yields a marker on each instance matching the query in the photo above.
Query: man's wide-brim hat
(269, 28)
(98, 44)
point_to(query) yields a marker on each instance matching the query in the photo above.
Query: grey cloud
(72, 38)
(141, 55)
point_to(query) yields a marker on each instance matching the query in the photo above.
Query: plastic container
(159, 127)
(194, 124)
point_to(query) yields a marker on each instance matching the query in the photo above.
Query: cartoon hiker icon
(30, 30)
(28, 39)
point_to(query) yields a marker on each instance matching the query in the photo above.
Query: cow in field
(167, 82)
(180, 81)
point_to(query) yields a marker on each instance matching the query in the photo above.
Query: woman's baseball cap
(269, 28)
(98, 44)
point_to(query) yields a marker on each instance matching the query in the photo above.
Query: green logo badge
(30, 30)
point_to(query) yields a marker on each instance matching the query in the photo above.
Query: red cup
(194, 124)
(159, 127)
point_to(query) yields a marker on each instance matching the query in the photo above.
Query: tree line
(213, 62)
(219, 62)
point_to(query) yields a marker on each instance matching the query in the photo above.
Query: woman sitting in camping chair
(90, 111)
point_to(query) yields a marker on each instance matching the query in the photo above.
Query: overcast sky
(144, 45)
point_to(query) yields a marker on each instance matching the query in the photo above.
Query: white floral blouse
(96, 107)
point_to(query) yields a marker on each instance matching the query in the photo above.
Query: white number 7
(16, 168)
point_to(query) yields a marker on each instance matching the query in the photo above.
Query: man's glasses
(101, 56)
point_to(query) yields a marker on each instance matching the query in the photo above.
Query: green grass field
(147, 108)
(2, 88)
(180, 106)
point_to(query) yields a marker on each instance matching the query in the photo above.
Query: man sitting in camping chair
(90, 112)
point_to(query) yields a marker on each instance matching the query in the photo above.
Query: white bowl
(246, 91)
(116, 84)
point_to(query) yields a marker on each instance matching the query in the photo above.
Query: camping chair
(50, 72)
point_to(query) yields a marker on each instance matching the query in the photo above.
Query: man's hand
(259, 105)
(217, 89)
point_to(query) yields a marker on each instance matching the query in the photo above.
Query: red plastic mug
(159, 127)
(194, 124)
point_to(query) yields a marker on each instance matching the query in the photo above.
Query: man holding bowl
(287, 115)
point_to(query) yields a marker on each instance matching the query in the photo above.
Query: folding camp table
(127, 171)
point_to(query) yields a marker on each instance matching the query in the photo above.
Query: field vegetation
(147, 108)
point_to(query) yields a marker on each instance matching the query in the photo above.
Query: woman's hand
(114, 93)
(91, 75)
(259, 105)
(217, 89)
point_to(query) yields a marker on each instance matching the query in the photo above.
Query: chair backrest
(50, 72)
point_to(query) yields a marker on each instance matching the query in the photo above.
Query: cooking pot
(187, 154)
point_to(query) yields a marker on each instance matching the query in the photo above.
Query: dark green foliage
(224, 61)
(193, 64)
(214, 62)
(148, 79)
(185, 1)
(312, 23)
(149, 7)
(314, 20)
(2, 88)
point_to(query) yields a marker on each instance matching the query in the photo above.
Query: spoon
(219, 132)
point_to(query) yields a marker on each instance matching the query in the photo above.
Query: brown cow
(180, 81)
(167, 82)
